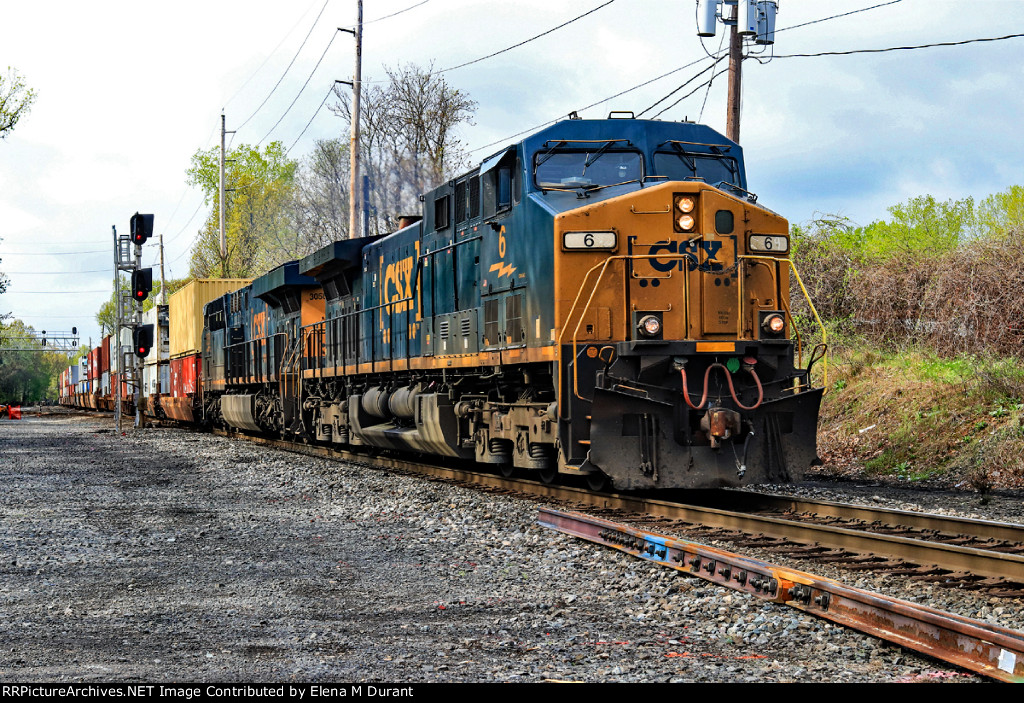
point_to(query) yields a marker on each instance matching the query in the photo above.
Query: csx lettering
(398, 284)
(692, 248)
(259, 325)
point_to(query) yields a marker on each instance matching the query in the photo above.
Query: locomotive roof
(646, 135)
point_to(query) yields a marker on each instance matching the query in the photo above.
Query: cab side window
(500, 185)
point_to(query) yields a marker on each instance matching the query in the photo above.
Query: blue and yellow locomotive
(603, 299)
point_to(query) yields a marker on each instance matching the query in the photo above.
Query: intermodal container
(185, 373)
(185, 310)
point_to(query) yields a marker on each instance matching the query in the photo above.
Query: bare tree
(321, 198)
(407, 140)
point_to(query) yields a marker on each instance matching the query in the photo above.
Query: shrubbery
(925, 314)
(942, 275)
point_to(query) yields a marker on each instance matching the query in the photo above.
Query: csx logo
(398, 283)
(689, 248)
(259, 325)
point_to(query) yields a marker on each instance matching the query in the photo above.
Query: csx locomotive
(603, 299)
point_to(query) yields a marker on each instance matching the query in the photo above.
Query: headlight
(685, 223)
(685, 204)
(650, 326)
(776, 324)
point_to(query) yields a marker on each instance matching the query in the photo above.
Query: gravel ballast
(167, 555)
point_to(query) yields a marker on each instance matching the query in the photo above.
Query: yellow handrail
(604, 267)
(810, 304)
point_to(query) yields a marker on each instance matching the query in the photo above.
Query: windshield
(585, 169)
(681, 166)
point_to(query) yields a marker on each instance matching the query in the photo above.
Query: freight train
(603, 299)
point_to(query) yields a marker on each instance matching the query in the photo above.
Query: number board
(589, 240)
(769, 242)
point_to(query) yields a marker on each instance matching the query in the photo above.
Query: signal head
(142, 284)
(141, 228)
(142, 340)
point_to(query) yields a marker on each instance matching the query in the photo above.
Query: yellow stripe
(716, 347)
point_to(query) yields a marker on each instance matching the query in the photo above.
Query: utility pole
(353, 215)
(120, 263)
(222, 189)
(163, 283)
(732, 110)
(752, 20)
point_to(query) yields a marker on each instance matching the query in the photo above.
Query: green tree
(27, 376)
(15, 100)
(107, 314)
(1002, 213)
(260, 230)
(922, 225)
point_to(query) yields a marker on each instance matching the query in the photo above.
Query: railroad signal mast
(127, 258)
(751, 21)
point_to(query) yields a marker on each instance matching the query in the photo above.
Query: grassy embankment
(914, 416)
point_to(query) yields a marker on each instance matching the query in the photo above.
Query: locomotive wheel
(597, 481)
(507, 470)
(547, 476)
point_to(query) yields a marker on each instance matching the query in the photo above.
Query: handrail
(604, 267)
(810, 304)
(774, 272)
(266, 338)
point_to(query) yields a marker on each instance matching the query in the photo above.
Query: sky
(129, 91)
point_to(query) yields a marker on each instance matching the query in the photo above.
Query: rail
(603, 266)
(251, 350)
(990, 650)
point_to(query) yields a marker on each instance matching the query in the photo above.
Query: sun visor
(493, 161)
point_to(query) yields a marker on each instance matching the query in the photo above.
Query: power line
(525, 41)
(290, 63)
(707, 82)
(279, 45)
(54, 253)
(300, 89)
(54, 273)
(599, 102)
(322, 102)
(899, 48)
(721, 43)
(58, 292)
(714, 63)
(395, 14)
(845, 14)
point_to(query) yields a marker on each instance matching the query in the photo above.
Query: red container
(94, 364)
(105, 355)
(185, 374)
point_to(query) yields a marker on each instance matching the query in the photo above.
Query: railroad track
(947, 551)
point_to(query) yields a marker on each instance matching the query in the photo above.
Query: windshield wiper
(690, 163)
(597, 154)
(547, 155)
